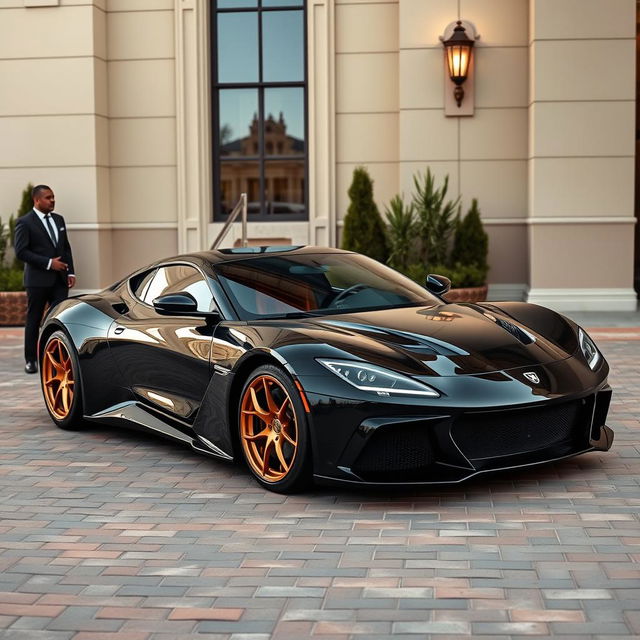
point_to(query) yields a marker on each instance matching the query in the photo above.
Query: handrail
(240, 208)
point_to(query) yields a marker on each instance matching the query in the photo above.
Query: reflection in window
(282, 46)
(179, 278)
(331, 283)
(260, 95)
(237, 47)
(280, 3)
(239, 177)
(288, 127)
(238, 4)
(284, 186)
(238, 109)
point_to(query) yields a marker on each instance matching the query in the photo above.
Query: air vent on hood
(515, 331)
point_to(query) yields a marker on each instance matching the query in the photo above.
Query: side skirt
(133, 414)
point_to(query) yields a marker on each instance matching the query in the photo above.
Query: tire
(273, 431)
(60, 381)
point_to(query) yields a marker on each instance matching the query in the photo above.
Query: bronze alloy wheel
(58, 378)
(268, 428)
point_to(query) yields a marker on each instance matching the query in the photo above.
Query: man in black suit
(41, 243)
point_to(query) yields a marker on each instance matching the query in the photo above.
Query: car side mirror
(437, 284)
(175, 303)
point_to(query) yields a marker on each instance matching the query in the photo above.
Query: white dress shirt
(46, 228)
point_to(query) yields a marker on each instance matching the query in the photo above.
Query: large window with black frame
(260, 107)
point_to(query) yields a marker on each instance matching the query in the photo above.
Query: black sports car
(319, 363)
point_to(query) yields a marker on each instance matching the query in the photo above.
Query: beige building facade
(111, 103)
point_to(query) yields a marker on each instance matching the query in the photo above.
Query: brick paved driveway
(113, 534)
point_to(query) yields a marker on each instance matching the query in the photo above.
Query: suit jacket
(35, 248)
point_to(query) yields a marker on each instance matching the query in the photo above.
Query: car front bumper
(465, 432)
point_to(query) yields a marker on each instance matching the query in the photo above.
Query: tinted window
(177, 278)
(140, 282)
(260, 93)
(272, 286)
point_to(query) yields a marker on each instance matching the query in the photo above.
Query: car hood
(444, 340)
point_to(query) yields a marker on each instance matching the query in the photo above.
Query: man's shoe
(31, 367)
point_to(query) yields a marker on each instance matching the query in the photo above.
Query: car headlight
(369, 377)
(589, 349)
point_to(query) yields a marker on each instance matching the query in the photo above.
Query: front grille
(495, 434)
(398, 448)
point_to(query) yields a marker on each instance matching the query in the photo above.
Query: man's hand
(71, 280)
(58, 265)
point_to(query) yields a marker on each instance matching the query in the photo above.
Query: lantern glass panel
(458, 60)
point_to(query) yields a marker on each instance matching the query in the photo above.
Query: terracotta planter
(13, 308)
(468, 294)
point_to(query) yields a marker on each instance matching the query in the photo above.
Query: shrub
(10, 279)
(364, 230)
(10, 267)
(436, 217)
(4, 241)
(26, 204)
(436, 220)
(471, 243)
(417, 272)
(461, 275)
(401, 232)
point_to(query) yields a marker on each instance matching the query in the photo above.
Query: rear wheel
(273, 431)
(60, 379)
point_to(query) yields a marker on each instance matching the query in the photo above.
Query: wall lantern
(458, 41)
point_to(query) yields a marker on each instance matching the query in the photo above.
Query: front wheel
(60, 379)
(273, 431)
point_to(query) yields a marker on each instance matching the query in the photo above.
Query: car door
(164, 359)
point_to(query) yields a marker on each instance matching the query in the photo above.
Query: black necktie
(47, 219)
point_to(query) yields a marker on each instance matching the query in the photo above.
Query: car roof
(206, 259)
(217, 256)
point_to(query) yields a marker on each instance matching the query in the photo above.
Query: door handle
(118, 330)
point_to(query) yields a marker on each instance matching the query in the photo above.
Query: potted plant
(430, 236)
(13, 298)
(364, 230)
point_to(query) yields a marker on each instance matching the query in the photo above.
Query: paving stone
(432, 627)
(110, 534)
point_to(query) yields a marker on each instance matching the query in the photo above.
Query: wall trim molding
(544, 221)
(110, 226)
(322, 222)
(511, 291)
(583, 220)
(584, 299)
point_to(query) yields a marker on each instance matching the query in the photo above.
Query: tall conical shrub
(26, 204)
(364, 230)
(470, 242)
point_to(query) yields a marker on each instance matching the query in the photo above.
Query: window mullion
(261, 114)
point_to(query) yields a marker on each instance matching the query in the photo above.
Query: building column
(321, 142)
(53, 121)
(581, 154)
(193, 124)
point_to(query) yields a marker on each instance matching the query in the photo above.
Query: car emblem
(533, 377)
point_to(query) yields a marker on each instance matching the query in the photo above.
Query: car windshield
(315, 284)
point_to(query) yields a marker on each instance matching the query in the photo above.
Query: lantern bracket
(469, 27)
(454, 104)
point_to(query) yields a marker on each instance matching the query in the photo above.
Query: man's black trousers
(37, 299)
